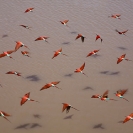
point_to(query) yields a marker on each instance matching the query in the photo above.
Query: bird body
(51, 84)
(129, 117)
(94, 52)
(29, 10)
(57, 53)
(42, 38)
(26, 98)
(6, 53)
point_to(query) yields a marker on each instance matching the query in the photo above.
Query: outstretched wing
(82, 67)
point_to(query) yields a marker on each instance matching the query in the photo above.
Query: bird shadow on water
(33, 78)
(122, 48)
(74, 32)
(100, 125)
(28, 126)
(66, 43)
(68, 75)
(5, 35)
(110, 73)
(68, 117)
(88, 88)
(37, 116)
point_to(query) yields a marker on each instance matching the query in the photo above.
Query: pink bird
(4, 114)
(29, 10)
(120, 93)
(80, 36)
(121, 58)
(94, 52)
(42, 38)
(25, 53)
(26, 98)
(64, 22)
(80, 70)
(129, 117)
(51, 84)
(7, 53)
(14, 72)
(67, 107)
(58, 52)
(19, 44)
(117, 16)
(98, 37)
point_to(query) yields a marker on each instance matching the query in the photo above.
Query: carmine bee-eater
(57, 53)
(67, 107)
(25, 26)
(26, 98)
(25, 53)
(7, 53)
(129, 117)
(4, 114)
(51, 84)
(117, 16)
(14, 72)
(64, 22)
(19, 44)
(42, 38)
(29, 10)
(94, 52)
(122, 32)
(98, 37)
(121, 58)
(80, 70)
(80, 36)
(120, 93)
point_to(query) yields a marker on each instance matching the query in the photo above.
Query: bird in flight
(25, 53)
(117, 16)
(26, 98)
(67, 107)
(98, 37)
(94, 52)
(42, 38)
(57, 53)
(4, 114)
(51, 84)
(80, 70)
(80, 36)
(14, 72)
(120, 93)
(129, 117)
(27, 27)
(122, 32)
(121, 58)
(64, 22)
(103, 97)
(7, 53)
(29, 10)
(19, 44)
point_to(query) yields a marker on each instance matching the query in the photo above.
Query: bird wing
(82, 67)
(78, 36)
(123, 92)
(119, 60)
(10, 72)
(10, 51)
(5, 113)
(23, 100)
(82, 38)
(95, 51)
(27, 95)
(46, 86)
(60, 50)
(2, 55)
(55, 83)
(126, 119)
(105, 94)
(89, 54)
(131, 115)
(124, 31)
(18, 45)
(65, 21)
(97, 36)
(123, 56)
(65, 105)
(95, 96)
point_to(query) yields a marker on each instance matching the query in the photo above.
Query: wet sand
(88, 18)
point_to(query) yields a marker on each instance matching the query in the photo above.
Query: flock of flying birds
(66, 106)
